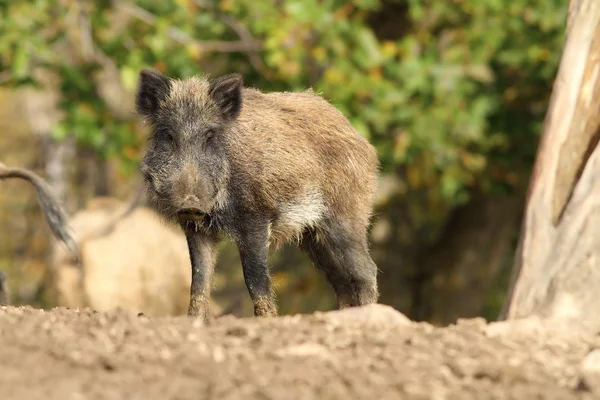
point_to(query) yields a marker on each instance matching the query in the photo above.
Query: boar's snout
(190, 209)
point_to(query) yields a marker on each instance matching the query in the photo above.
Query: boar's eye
(166, 137)
(209, 135)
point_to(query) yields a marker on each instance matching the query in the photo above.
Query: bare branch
(181, 37)
(85, 31)
(117, 217)
(55, 216)
(246, 37)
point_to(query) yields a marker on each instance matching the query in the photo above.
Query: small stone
(165, 354)
(218, 354)
(369, 313)
(305, 350)
(590, 371)
(591, 362)
(238, 331)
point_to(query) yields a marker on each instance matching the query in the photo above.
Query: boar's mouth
(190, 214)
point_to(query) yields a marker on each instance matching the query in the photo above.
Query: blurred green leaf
(20, 63)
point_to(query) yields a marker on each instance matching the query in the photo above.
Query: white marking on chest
(295, 216)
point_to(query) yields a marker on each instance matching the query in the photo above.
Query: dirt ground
(371, 352)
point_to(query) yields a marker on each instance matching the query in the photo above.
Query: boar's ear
(226, 91)
(152, 89)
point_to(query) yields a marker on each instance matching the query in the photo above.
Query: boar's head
(185, 166)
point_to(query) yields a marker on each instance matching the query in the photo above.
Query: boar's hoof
(264, 307)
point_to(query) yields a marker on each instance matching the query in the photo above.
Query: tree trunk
(556, 274)
(59, 155)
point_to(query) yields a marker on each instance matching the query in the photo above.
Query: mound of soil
(370, 353)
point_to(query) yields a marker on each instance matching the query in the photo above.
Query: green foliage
(455, 94)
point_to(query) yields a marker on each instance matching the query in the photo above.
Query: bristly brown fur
(265, 168)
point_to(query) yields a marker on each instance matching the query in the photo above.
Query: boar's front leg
(203, 257)
(253, 245)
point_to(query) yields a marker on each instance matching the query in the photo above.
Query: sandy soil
(367, 353)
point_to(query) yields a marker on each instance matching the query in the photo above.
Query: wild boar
(265, 169)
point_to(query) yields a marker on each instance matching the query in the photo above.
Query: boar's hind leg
(344, 257)
(253, 245)
(203, 257)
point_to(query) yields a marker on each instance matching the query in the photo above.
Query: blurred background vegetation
(451, 92)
